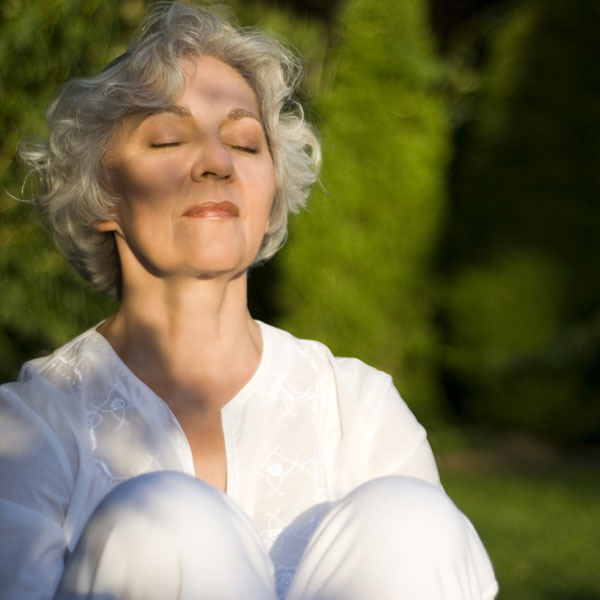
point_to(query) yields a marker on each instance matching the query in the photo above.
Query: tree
(42, 44)
(522, 242)
(355, 274)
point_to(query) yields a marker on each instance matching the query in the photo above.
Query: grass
(541, 527)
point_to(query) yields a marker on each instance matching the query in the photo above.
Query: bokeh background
(454, 240)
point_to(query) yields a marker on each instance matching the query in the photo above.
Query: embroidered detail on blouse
(294, 435)
(277, 467)
(114, 408)
(151, 464)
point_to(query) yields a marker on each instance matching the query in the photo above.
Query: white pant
(168, 536)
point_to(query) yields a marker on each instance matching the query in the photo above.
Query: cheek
(258, 188)
(268, 184)
(147, 181)
(267, 196)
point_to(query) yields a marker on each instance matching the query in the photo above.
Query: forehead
(211, 80)
(212, 89)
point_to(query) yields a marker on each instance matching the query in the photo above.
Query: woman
(181, 449)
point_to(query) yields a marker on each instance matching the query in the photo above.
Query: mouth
(213, 210)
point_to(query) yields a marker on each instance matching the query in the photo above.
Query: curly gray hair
(147, 79)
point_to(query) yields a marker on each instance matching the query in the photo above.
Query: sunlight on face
(196, 182)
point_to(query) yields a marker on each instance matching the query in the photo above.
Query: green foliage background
(522, 241)
(356, 271)
(454, 241)
(43, 302)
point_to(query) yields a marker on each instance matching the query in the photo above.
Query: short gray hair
(147, 79)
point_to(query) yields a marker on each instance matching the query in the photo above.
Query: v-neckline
(227, 409)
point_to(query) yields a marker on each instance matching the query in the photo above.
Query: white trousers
(169, 536)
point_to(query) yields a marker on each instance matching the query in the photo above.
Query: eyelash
(176, 144)
(166, 145)
(246, 149)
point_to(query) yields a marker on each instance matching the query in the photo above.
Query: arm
(36, 480)
(397, 443)
(386, 438)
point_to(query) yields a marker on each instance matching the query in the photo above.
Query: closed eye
(166, 145)
(246, 149)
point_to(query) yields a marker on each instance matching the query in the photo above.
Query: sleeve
(397, 443)
(35, 486)
(394, 442)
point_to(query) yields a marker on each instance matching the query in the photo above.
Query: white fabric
(169, 536)
(394, 538)
(304, 431)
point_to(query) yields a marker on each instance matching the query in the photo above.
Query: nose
(213, 160)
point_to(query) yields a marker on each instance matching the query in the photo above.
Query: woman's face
(196, 182)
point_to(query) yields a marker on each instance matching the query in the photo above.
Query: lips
(213, 210)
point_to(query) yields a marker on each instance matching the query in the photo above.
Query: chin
(218, 264)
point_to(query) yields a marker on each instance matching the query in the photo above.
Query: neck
(190, 341)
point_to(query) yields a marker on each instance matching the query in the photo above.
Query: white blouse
(305, 430)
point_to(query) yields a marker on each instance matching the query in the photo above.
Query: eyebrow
(179, 111)
(235, 114)
(175, 109)
(241, 113)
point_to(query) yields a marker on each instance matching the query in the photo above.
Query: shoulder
(43, 408)
(57, 375)
(353, 377)
(41, 424)
(62, 368)
(46, 378)
(375, 423)
(302, 352)
(357, 392)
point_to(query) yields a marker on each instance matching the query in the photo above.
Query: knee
(397, 537)
(410, 511)
(163, 532)
(160, 494)
(166, 501)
